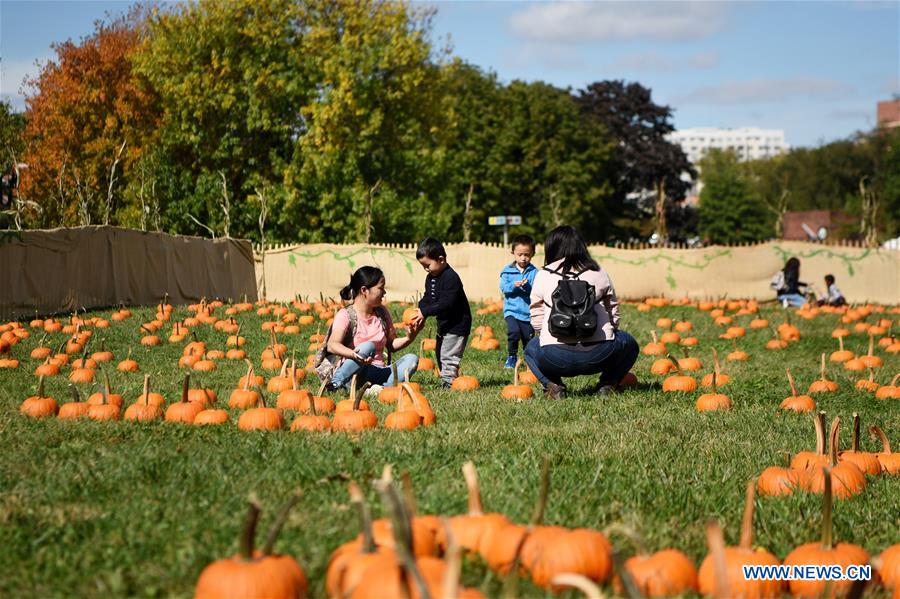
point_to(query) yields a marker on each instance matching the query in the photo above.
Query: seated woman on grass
(599, 349)
(361, 332)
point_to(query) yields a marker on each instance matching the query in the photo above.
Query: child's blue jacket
(516, 300)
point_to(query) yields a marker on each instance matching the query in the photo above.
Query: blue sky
(814, 69)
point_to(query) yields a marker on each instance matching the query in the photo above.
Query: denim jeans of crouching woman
(611, 359)
(377, 375)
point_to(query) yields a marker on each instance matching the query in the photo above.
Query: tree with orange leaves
(88, 122)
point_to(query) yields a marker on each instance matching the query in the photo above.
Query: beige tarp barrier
(740, 272)
(62, 270)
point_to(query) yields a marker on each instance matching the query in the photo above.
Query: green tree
(730, 211)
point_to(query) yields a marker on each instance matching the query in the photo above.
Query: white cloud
(851, 114)
(552, 56)
(576, 22)
(654, 61)
(767, 90)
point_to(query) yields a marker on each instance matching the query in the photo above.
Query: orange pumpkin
(75, 408)
(580, 551)
(846, 478)
(516, 391)
(40, 405)
(467, 530)
(294, 398)
(824, 553)
(721, 573)
(465, 383)
(654, 348)
(891, 391)
(184, 410)
(841, 355)
(104, 410)
(710, 402)
(662, 366)
(127, 365)
(804, 460)
(797, 403)
(253, 573)
(666, 573)
(823, 385)
(775, 480)
(888, 566)
(354, 419)
(866, 461)
(679, 382)
(721, 378)
(245, 397)
(890, 462)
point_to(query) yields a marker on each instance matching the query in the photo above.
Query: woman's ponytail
(365, 276)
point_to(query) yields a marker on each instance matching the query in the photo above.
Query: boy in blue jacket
(516, 280)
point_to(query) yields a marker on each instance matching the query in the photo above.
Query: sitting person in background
(787, 285)
(832, 295)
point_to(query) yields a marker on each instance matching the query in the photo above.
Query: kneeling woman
(608, 352)
(362, 330)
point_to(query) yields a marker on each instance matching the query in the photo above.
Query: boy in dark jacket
(446, 300)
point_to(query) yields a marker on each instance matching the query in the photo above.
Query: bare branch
(226, 206)
(112, 180)
(467, 215)
(211, 232)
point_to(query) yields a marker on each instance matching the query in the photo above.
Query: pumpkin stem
(184, 388)
(40, 390)
(834, 441)
(453, 561)
(322, 388)
(249, 374)
(823, 367)
(580, 582)
(293, 375)
(895, 379)
(734, 343)
(819, 422)
(871, 344)
(674, 363)
(855, 445)
(471, 476)
(791, 381)
(747, 521)
(841, 343)
(885, 442)
(714, 381)
(284, 366)
(516, 372)
(827, 502)
(249, 532)
(409, 497)
(403, 540)
(537, 516)
(146, 389)
(105, 377)
(74, 390)
(353, 394)
(279, 523)
(365, 518)
(716, 543)
(653, 334)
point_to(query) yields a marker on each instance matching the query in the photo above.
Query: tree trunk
(467, 215)
(662, 232)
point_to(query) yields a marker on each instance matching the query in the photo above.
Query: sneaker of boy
(510, 362)
(373, 391)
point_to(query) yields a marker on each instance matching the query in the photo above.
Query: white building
(750, 143)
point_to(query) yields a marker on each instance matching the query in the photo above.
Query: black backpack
(572, 313)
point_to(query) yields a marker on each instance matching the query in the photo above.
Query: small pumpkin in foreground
(721, 573)
(824, 553)
(40, 405)
(797, 403)
(254, 574)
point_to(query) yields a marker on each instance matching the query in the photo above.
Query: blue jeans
(516, 331)
(377, 375)
(793, 299)
(612, 359)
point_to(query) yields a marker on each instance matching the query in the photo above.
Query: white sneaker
(373, 391)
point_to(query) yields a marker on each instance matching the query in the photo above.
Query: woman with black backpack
(575, 315)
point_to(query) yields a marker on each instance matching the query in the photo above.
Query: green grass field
(127, 509)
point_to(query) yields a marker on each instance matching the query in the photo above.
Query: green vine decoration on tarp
(825, 252)
(348, 258)
(671, 261)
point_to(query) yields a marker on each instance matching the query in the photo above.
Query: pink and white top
(607, 307)
(367, 329)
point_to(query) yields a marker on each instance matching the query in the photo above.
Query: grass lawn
(126, 509)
